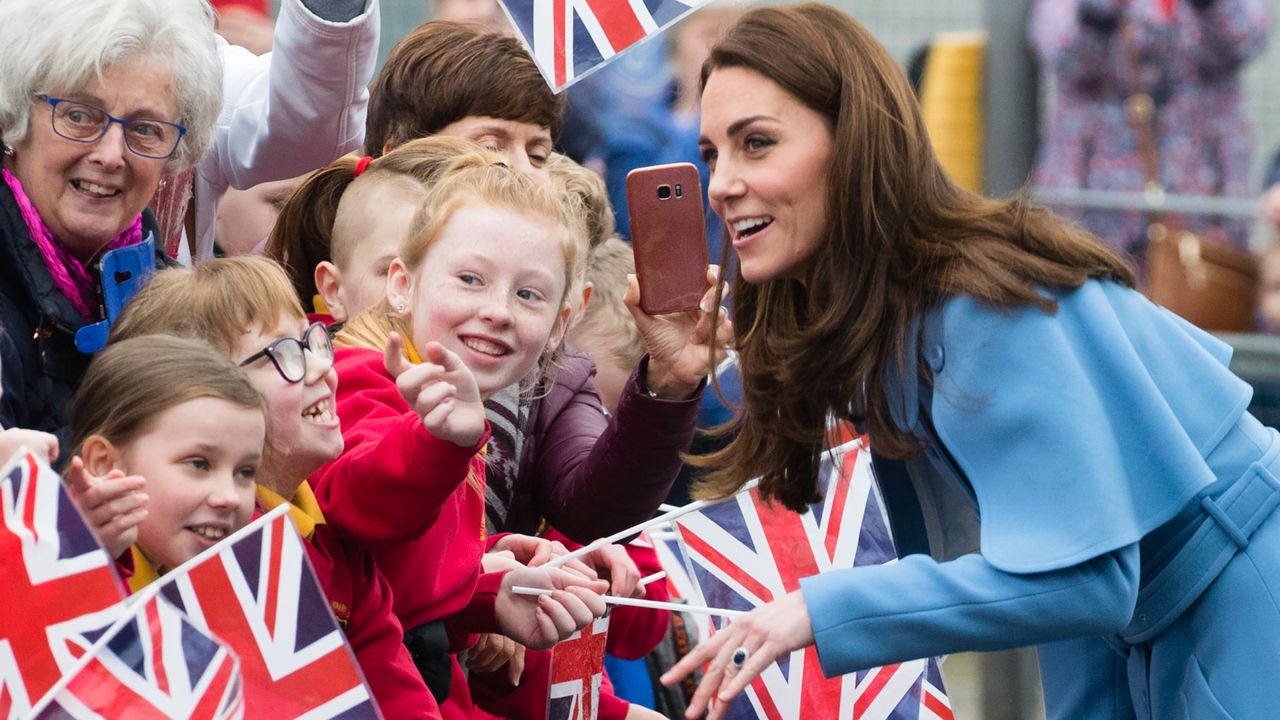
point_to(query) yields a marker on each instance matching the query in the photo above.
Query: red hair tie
(363, 165)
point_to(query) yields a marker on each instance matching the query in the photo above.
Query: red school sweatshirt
(360, 599)
(414, 500)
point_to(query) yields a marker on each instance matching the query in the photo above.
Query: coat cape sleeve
(1079, 431)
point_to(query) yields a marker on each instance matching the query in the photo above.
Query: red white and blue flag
(569, 39)
(743, 553)
(153, 666)
(260, 595)
(56, 583)
(577, 669)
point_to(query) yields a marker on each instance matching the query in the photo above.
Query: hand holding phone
(668, 237)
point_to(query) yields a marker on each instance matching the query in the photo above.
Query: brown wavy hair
(901, 237)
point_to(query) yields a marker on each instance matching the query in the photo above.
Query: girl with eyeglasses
(246, 309)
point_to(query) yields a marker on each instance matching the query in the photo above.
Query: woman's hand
(540, 621)
(766, 634)
(680, 344)
(441, 390)
(492, 651)
(113, 505)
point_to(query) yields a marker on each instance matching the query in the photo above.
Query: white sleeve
(289, 111)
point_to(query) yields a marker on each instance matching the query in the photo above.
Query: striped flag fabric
(743, 553)
(155, 665)
(570, 39)
(257, 592)
(58, 583)
(577, 670)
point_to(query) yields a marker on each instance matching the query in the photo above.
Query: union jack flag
(58, 583)
(156, 665)
(577, 668)
(260, 596)
(744, 553)
(569, 39)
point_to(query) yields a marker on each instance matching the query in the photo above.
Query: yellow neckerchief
(144, 573)
(304, 510)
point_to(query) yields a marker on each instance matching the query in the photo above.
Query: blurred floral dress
(1187, 55)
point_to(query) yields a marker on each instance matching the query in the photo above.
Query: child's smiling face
(491, 288)
(200, 459)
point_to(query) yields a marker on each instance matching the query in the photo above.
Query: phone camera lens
(664, 192)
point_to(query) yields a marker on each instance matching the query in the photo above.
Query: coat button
(937, 358)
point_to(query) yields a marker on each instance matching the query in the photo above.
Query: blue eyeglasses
(81, 122)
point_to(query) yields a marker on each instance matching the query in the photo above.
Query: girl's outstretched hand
(680, 344)
(441, 390)
(762, 635)
(540, 621)
(113, 504)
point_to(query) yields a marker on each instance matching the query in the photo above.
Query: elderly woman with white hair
(98, 100)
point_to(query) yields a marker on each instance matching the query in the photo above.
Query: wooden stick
(634, 602)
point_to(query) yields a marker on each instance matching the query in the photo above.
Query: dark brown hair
(132, 381)
(901, 237)
(445, 71)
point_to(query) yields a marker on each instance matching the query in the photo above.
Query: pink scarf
(69, 274)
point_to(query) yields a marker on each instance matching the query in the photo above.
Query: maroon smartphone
(668, 236)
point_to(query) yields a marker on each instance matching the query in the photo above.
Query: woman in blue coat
(1073, 467)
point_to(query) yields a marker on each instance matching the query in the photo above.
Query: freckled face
(491, 288)
(769, 155)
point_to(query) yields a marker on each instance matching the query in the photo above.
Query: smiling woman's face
(88, 193)
(769, 155)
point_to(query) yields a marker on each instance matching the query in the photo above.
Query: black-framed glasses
(85, 123)
(289, 354)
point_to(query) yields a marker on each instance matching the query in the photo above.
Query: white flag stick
(666, 517)
(634, 602)
(694, 506)
(652, 578)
